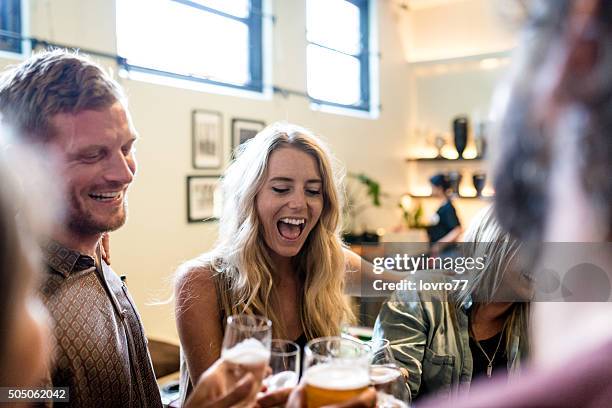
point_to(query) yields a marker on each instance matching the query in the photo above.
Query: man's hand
(277, 398)
(218, 387)
(366, 399)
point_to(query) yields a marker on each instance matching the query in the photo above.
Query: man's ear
(582, 39)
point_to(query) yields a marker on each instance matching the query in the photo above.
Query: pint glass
(284, 365)
(392, 391)
(336, 370)
(246, 346)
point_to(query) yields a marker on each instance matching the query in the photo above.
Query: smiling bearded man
(70, 108)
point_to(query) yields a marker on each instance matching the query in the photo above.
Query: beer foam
(380, 374)
(335, 376)
(248, 352)
(280, 380)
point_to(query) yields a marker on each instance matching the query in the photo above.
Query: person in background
(445, 228)
(67, 107)
(553, 184)
(445, 339)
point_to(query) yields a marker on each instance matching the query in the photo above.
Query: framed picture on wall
(245, 129)
(207, 139)
(203, 198)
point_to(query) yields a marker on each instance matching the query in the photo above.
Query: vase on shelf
(460, 133)
(479, 180)
(480, 138)
(439, 142)
(454, 178)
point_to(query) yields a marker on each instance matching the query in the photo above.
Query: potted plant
(362, 194)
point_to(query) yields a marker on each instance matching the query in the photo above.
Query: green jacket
(429, 336)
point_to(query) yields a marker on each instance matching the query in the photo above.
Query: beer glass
(246, 346)
(335, 370)
(284, 365)
(387, 377)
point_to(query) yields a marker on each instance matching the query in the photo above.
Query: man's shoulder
(110, 275)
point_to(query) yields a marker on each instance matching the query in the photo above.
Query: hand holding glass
(386, 376)
(246, 346)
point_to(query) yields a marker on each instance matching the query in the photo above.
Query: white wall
(434, 29)
(157, 237)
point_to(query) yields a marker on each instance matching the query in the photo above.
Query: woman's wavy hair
(240, 256)
(486, 238)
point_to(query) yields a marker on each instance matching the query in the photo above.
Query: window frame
(363, 57)
(14, 25)
(254, 22)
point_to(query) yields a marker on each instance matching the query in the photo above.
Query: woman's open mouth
(291, 228)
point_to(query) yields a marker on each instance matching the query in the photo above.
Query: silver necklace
(490, 360)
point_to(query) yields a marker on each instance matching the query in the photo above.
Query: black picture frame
(206, 140)
(244, 129)
(204, 200)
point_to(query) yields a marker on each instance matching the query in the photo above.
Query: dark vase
(479, 182)
(460, 132)
(454, 178)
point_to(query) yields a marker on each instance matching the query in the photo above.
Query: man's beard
(83, 222)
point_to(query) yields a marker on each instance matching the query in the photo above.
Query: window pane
(335, 24)
(238, 8)
(10, 21)
(333, 77)
(180, 39)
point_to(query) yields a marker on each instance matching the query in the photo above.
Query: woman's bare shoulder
(195, 282)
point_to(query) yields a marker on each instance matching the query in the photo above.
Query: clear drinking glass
(285, 365)
(246, 346)
(335, 370)
(392, 391)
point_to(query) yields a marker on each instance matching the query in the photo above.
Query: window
(338, 53)
(212, 41)
(10, 26)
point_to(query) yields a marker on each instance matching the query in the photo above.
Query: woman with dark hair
(445, 228)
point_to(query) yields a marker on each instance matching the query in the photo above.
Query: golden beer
(332, 383)
(384, 378)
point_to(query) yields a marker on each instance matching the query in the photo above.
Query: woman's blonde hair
(240, 257)
(500, 250)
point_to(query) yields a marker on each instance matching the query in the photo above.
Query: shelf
(443, 159)
(457, 197)
(461, 58)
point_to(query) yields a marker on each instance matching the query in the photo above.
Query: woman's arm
(198, 317)
(452, 236)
